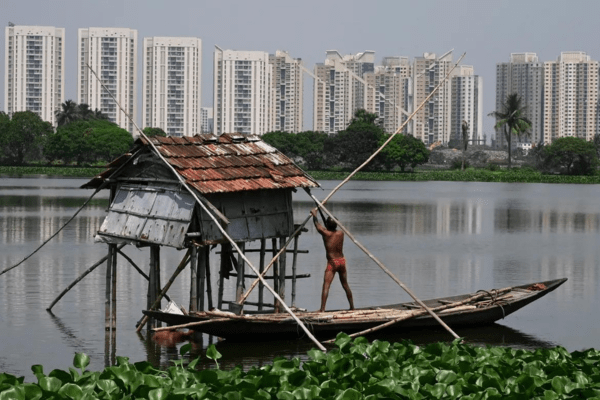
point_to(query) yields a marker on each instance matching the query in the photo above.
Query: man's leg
(326, 284)
(344, 281)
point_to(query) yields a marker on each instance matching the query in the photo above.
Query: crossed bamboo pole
(284, 247)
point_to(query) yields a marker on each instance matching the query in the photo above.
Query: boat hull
(246, 330)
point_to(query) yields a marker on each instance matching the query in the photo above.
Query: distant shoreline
(470, 175)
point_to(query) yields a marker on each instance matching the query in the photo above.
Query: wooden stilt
(294, 279)
(194, 280)
(282, 265)
(108, 290)
(208, 282)
(224, 259)
(113, 251)
(261, 267)
(239, 285)
(275, 272)
(156, 304)
(201, 277)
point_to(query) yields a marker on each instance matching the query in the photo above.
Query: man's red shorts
(336, 265)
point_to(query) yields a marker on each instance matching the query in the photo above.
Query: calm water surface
(439, 238)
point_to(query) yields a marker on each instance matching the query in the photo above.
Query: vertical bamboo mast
(275, 272)
(239, 286)
(294, 271)
(282, 265)
(208, 282)
(201, 277)
(113, 251)
(194, 280)
(261, 268)
(107, 321)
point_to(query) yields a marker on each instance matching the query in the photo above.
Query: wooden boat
(472, 309)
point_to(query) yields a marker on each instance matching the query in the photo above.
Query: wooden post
(239, 285)
(108, 290)
(194, 280)
(275, 272)
(261, 267)
(224, 255)
(201, 278)
(113, 251)
(294, 271)
(282, 265)
(208, 282)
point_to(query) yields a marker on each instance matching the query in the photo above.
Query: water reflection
(439, 238)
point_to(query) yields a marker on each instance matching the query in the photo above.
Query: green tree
(512, 120)
(404, 150)
(308, 145)
(85, 112)
(87, 142)
(354, 145)
(24, 138)
(150, 132)
(69, 112)
(100, 115)
(4, 127)
(575, 155)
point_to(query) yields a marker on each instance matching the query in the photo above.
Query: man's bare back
(334, 243)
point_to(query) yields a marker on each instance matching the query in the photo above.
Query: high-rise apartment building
(207, 125)
(432, 123)
(112, 54)
(172, 84)
(340, 89)
(288, 87)
(466, 105)
(523, 75)
(386, 91)
(34, 72)
(243, 92)
(570, 97)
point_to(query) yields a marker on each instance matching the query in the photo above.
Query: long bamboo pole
(138, 269)
(383, 267)
(301, 226)
(418, 313)
(79, 279)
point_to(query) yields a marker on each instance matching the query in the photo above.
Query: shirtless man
(334, 242)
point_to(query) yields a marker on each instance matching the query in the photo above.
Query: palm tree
(69, 112)
(100, 115)
(85, 112)
(512, 119)
(465, 141)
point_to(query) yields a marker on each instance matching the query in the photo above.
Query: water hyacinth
(353, 369)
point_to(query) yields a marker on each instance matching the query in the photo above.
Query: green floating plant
(353, 369)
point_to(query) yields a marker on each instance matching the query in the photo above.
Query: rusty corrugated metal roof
(230, 163)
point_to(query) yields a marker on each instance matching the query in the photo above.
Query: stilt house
(245, 181)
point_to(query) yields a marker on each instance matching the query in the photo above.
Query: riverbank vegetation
(352, 370)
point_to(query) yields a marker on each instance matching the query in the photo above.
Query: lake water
(439, 238)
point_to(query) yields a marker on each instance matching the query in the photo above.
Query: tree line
(83, 136)
(351, 147)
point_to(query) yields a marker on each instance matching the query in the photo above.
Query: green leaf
(185, 349)
(559, 383)
(37, 370)
(213, 353)
(81, 361)
(107, 385)
(349, 394)
(13, 393)
(71, 391)
(32, 392)
(550, 395)
(50, 384)
(445, 376)
(158, 394)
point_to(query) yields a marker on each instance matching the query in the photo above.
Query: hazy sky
(488, 31)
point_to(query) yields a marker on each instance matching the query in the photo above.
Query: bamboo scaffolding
(400, 128)
(180, 268)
